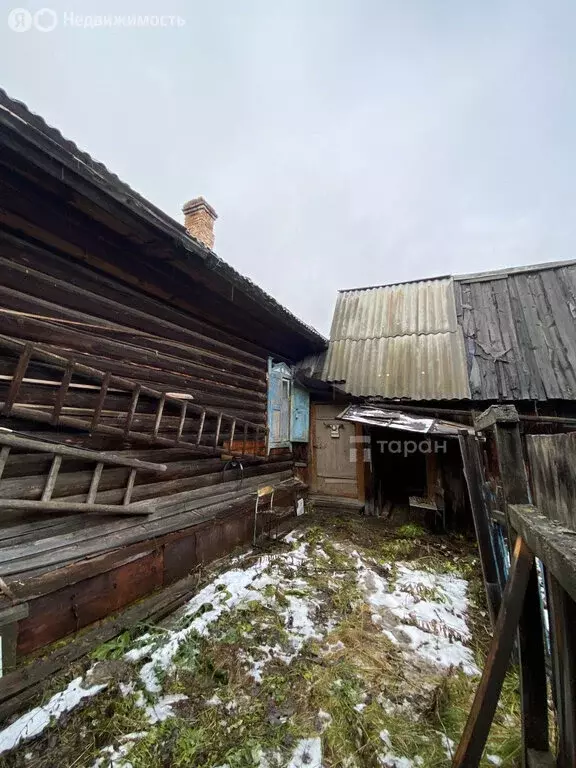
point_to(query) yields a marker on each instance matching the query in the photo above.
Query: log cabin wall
(115, 301)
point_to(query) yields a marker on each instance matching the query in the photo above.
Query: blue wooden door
(300, 415)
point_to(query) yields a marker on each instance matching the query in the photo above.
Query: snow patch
(36, 720)
(308, 754)
(432, 608)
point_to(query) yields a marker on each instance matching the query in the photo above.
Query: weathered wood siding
(552, 468)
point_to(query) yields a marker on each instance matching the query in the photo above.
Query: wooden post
(563, 636)
(475, 481)
(505, 424)
(473, 741)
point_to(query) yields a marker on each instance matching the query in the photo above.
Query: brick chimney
(199, 218)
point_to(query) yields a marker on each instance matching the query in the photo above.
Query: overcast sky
(342, 143)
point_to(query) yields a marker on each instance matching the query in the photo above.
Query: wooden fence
(532, 494)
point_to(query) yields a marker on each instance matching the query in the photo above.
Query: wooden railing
(531, 535)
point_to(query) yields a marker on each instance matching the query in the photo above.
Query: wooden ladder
(238, 437)
(10, 440)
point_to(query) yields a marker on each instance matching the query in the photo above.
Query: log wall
(80, 285)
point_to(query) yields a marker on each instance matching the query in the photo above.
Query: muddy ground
(344, 643)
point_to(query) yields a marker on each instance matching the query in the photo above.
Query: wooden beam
(562, 612)
(496, 414)
(473, 741)
(513, 479)
(550, 541)
(142, 508)
(473, 473)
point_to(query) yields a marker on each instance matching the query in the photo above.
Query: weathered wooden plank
(562, 612)
(550, 541)
(480, 512)
(471, 746)
(13, 613)
(174, 513)
(218, 426)
(182, 333)
(182, 421)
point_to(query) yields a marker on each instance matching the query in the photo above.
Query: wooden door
(334, 463)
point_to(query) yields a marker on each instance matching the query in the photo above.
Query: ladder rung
(4, 453)
(132, 409)
(129, 487)
(52, 475)
(182, 420)
(218, 425)
(159, 413)
(14, 388)
(201, 427)
(94, 483)
(101, 398)
(62, 391)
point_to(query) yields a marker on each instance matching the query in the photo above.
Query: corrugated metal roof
(395, 310)
(520, 333)
(400, 341)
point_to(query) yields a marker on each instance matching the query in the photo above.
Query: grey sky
(342, 143)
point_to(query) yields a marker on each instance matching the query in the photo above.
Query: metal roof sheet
(383, 417)
(395, 310)
(400, 341)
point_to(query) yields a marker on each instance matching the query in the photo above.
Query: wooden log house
(133, 391)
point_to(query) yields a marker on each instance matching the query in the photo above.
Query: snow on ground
(36, 720)
(308, 754)
(420, 612)
(432, 610)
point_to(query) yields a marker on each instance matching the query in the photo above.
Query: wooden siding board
(82, 604)
(520, 332)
